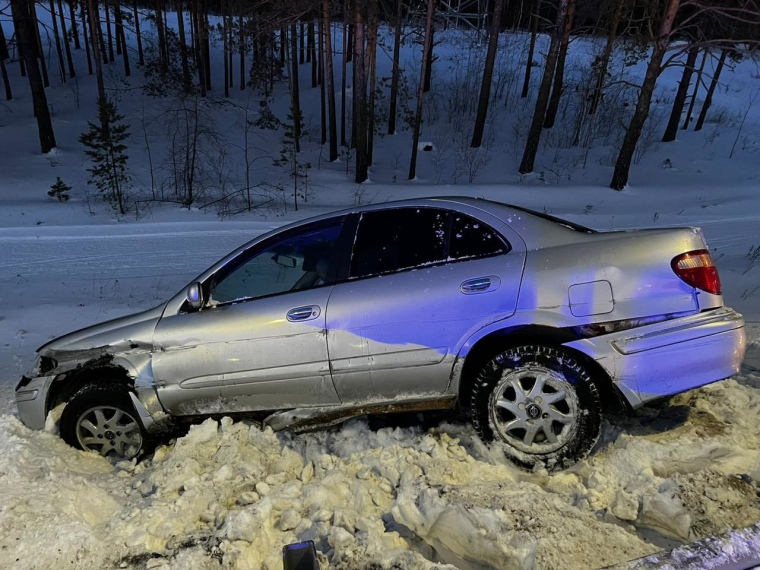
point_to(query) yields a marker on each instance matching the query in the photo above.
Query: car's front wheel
(101, 418)
(540, 404)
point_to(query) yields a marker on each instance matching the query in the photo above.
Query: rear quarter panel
(636, 264)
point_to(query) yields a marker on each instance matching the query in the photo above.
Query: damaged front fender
(122, 346)
(134, 357)
(36, 396)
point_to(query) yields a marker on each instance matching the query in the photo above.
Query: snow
(398, 495)
(231, 494)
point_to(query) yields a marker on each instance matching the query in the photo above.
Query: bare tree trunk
(428, 77)
(301, 46)
(58, 46)
(109, 35)
(697, 83)
(86, 41)
(101, 41)
(140, 55)
(485, 84)
(195, 25)
(534, 17)
(230, 43)
(206, 43)
(226, 52)
(183, 46)
(3, 70)
(294, 90)
(372, 35)
(360, 95)
(283, 40)
(346, 27)
(396, 69)
(332, 127)
(604, 62)
(163, 58)
(428, 47)
(680, 100)
(350, 40)
(74, 31)
(95, 32)
(6, 82)
(309, 38)
(623, 163)
(67, 47)
(322, 92)
(534, 134)
(559, 72)
(121, 39)
(241, 52)
(193, 6)
(24, 22)
(311, 55)
(272, 42)
(40, 52)
(711, 90)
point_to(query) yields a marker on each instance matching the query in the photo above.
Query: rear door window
(397, 239)
(406, 238)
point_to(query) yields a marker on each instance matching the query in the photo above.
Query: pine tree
(59, 190)
(104, 142)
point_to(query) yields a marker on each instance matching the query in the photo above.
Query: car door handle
(303, 313)
(480, 285)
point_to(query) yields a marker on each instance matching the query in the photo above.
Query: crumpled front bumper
(670, 357)
(31, 400)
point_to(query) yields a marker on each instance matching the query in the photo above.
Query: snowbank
(229, 494)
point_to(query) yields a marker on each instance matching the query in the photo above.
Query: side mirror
(194, 295)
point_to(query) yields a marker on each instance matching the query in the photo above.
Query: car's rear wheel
(101, 418)
(540, 404)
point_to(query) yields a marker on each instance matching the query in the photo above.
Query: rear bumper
(672, 356)
(31, 397)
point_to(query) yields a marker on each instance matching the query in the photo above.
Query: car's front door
(259, 342)
(420, 281)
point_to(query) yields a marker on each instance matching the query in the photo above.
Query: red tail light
(697, 268)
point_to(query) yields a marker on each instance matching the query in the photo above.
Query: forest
(197, 53)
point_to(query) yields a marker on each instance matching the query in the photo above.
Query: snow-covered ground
(427, 496)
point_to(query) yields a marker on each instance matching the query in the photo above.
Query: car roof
(499, 209)
(538, 229)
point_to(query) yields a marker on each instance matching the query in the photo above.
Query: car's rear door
(421, 280)
(259, 343)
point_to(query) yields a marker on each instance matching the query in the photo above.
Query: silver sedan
(530, 326)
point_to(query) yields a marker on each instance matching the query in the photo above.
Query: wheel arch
(99, 370)
(500, 340)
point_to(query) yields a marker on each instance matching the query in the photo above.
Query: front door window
(296, 262)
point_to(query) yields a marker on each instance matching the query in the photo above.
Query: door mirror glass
(194, 296)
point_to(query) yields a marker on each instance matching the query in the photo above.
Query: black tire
(539, 404)
(101, 418)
